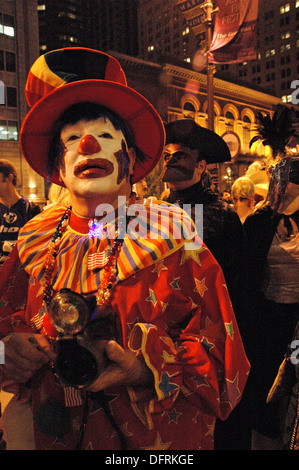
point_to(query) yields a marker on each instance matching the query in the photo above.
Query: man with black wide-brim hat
(111, 346)
(188, 150)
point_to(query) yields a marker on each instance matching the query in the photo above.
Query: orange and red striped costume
(173, 308)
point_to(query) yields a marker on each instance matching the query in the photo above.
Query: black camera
(84, 330)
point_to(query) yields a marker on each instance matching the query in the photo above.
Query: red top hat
(67, 76)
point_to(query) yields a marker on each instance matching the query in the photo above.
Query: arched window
(189, 110)
(229, 121)
(246, 132)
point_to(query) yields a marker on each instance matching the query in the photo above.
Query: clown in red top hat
(123, 335)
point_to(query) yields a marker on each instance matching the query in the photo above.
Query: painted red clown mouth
(93, 168)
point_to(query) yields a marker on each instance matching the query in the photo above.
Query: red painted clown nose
(89, 145)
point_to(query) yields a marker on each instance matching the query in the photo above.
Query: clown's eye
(72, 137)
(166, 157)
(106, 135)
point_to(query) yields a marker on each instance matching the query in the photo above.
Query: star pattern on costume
(211, 428)
(159, 267)
(201, 381)
(149, 326)
(193, 304)
(158, 444)
(229, 329)
(168, 341)
(191, 254)
(3, 303)
(133, 323)
(165, 385)
(164, 306)
(207, 345)
(152, 297)
(200, 286)
(213, 330)
(124, 429)
(168, 358)
(98, 398)
(173, 416)
(231, 392)
(14, 322)
(175, 284)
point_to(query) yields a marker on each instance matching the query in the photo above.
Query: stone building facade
(19, 48)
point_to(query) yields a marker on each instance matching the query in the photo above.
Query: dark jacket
(222, 233)
(260, 228)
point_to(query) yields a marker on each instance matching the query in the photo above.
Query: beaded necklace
(103, 296)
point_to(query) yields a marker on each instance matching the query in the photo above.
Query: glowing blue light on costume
(95, 229)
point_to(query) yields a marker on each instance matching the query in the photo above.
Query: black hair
(89, 112)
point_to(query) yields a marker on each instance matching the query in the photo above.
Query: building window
(285, 35)
(7, 25)
(284, 8)
(229, 122)
(1, 60)
(10, 61)
(11, 94)
(7, 61)
(8, 130)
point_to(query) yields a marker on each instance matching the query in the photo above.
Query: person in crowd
(260, 172)
(243, 192)
(226, 196)
(188, 150)
(127, 340)
(272, 237)
(141, 191)
(58, 195)
(15, 210)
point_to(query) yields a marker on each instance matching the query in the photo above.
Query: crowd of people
(131, 322)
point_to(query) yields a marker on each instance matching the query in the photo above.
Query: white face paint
(97, 163)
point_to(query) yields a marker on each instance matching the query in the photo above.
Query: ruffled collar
(163, 231)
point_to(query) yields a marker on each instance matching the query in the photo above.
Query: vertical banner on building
(235, 32)
(194, 14)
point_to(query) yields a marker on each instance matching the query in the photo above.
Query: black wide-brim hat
(186, 132)
(64, 77)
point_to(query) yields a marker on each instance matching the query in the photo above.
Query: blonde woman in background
(243, 192)
(58, 195)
